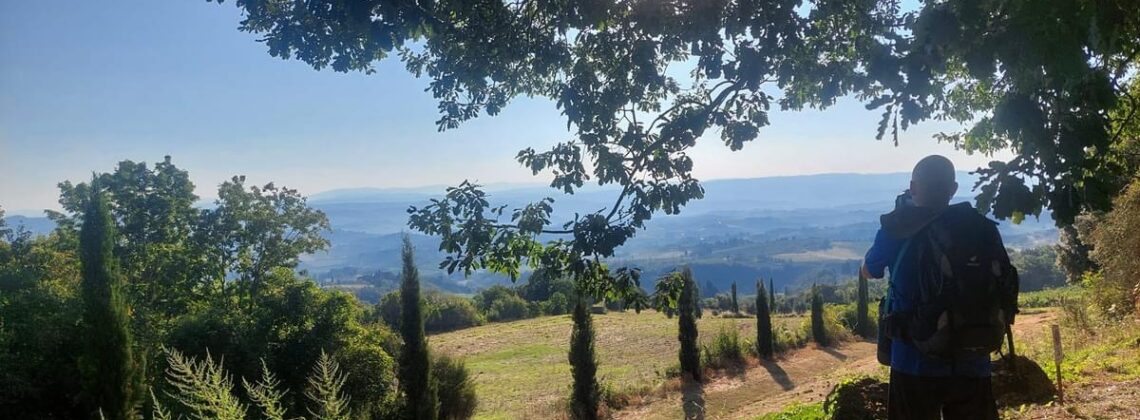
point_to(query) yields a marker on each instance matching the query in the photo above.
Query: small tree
(583, 365)
(818, 333)
(687, 328)
(421, 401)
(764, 342)
(735, 304)
(862, 320)
(110, 368)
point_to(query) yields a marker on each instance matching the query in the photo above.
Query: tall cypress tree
(687, 328)
(764, 342)
(862, 320)
(421, 401)
(735, 306)
(772, 295)
(583, 365)
(818, 333)
(112, 372)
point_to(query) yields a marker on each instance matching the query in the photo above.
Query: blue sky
(86, 84)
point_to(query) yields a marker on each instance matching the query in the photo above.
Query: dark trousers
(950, 398)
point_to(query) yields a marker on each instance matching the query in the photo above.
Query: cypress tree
(735, 306)
(112, 372)
(583, 366)
(421, 401)
(687, 328)
(764, 342)
(696, 296)
(862, 320)
(818, 333)
(771, 295)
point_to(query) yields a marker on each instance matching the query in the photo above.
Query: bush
(787, 339)
(849, 317)
(448, 313)
(457, 399)
(499, 303)
(558, 304)
(508, 308)
(859, 398)
(725, 350)
(1111, 296)
(834, 331)
(1115, 243)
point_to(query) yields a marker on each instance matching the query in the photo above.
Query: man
(948, 298)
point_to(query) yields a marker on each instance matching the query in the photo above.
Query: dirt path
(805, 375)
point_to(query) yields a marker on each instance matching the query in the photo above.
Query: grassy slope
(520, 368)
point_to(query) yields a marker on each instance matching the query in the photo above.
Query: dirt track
(804, 375)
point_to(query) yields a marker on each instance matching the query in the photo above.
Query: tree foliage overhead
(640, 81)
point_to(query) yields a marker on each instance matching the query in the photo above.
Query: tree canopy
(639, 82)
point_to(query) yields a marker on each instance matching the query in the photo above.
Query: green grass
(520, 368)
(1049, 297)
(797, 412)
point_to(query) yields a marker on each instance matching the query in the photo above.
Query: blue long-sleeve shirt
(904, 292)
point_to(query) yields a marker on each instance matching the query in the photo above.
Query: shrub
(508, 308)
(558, 304)
(448, 313)
(787, 339)
(859, 398)
(1116, 241)
(832, 327)
(725, 350)
(457, 399)
(849, 317)
(1112, 297)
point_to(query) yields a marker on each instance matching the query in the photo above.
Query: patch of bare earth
(801, 376)
(1098, 399)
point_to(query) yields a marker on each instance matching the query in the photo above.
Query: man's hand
(866, 274)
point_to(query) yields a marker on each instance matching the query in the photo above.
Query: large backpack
(967, 288)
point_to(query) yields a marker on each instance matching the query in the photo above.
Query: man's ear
(954, 190)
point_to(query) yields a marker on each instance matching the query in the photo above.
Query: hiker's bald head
(932, 181)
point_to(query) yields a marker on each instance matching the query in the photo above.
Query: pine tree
(735, 306)
(112, 372)
(421, 401)
(772, 295)
(583, 366)
(862, 320)
(764, 342)
(818, 333)
(687, 329)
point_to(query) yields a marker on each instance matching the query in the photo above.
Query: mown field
(520, 368)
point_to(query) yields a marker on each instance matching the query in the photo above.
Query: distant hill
(796, 229)
(35, 225)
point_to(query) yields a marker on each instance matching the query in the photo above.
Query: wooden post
(1057, 356)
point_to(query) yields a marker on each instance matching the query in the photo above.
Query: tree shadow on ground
(778, 374)
(693, 400)
(834, 353)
